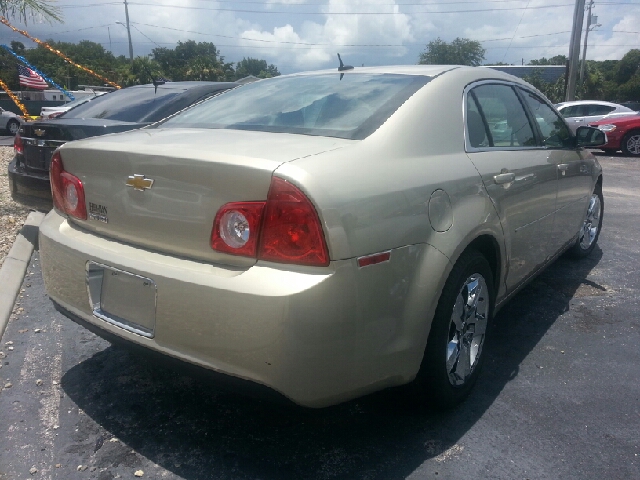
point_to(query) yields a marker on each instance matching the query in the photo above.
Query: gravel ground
(12, 215)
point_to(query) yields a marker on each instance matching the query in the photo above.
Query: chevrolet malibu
(324, 234)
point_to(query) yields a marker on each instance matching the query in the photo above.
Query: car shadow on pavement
(198, 431)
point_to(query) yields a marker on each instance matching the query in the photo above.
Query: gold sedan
(324, 234)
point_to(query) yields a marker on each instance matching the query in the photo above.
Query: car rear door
(516, 173)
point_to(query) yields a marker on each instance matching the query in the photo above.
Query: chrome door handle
(504, 178)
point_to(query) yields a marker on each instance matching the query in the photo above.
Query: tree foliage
(257, 68)
(189, 60)
(557, 60)
(461, 51)
(193, 61)
(30, 9)
(611, 80)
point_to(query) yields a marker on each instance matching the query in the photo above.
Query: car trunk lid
(180, 177)
(40, 139)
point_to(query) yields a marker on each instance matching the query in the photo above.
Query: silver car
(324, 234)
(9, 121)
(581, 113)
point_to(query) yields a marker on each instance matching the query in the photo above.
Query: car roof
(463, 71)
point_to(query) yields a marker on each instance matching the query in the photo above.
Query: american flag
(29, 78)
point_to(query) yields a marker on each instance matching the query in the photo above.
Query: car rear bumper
(318, 336)
(28, 188)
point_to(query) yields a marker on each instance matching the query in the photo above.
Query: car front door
(575, 179)
(516, 173)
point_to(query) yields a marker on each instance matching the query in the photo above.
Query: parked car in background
(52, 112)
(9, 121)
(583, 112)
(118, 111)
(635, 106)
(622, 134)
(324, 234)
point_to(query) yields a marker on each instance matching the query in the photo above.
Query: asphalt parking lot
(559, 396)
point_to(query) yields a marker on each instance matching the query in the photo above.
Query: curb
(15, 265)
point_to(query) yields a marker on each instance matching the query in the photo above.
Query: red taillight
(284, 229)
(67, 190)
(291, 230)
(18, 144)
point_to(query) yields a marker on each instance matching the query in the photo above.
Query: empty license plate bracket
(121, 298)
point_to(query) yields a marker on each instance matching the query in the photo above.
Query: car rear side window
(508, 125)
(599, 109)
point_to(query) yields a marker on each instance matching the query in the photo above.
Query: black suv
(119, 111)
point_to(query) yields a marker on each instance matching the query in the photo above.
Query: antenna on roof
(156, 81)
(343, 67)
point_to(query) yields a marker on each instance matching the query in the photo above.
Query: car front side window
(505, 116)
(555, 133)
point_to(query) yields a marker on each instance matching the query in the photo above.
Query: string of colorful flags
(38, 72)
(58, 53)
(15, 99)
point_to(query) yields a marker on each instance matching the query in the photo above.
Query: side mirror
(590, 137)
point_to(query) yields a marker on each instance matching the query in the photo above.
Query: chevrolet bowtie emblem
(138, 182)
(38, 131)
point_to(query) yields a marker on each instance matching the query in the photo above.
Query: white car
(582, 112)
(9, 121)
(52, 112)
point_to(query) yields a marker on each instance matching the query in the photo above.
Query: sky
(299, 35)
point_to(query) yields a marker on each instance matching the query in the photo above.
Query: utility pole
(574, 50)
(126, 14)
(592, 22)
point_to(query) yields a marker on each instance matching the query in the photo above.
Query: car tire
(591, 226)
(13, 126)
(455, 348)
(631, 143)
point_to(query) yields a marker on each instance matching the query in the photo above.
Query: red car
(623, 133)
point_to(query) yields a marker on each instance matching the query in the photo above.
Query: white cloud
(341, 30)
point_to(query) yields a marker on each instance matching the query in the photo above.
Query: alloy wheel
(633, 144)
(467, 329)
(589, 230)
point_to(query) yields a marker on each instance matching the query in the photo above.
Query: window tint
(476, 128)
(505, 116)
(574, 111)
(555, 132)
(126, 105)
(599, 109)
(330, 105)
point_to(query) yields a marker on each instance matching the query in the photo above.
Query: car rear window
(126, 105)
(351, 106)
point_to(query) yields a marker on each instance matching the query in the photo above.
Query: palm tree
(34, 9)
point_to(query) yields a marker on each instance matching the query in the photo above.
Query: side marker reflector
(374, 259)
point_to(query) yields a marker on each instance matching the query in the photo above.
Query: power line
(516, 30)
(237, 10)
